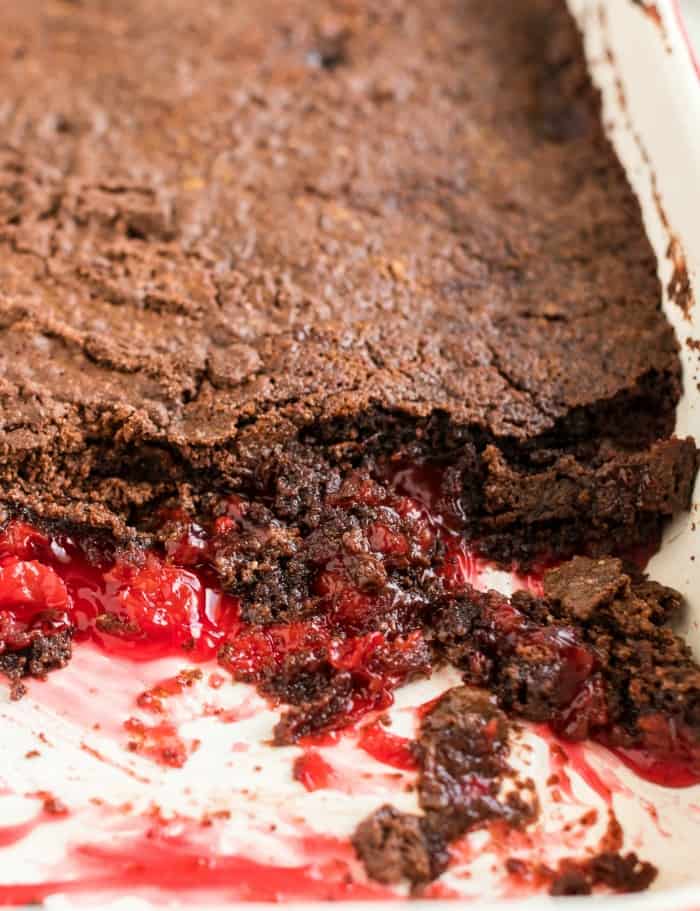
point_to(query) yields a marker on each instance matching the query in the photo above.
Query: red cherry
(156, 605)
(19, 539)
(27, 586)
(312, 770)
(459, 566)
(249, 655)
(386, 540)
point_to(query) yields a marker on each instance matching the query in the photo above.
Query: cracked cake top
(339, 210)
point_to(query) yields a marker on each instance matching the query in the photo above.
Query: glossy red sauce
(566, 756)
(158, 858)
(387, 748)
(159, 741)
(53, 810)
(669, 772)
(140, 611)
(154, 700)
(312, 770)
(669, 757)
(10, 835)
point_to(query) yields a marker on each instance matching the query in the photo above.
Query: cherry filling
(156, 608)
(376, 593)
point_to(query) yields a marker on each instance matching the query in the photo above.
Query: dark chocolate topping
(350, 223)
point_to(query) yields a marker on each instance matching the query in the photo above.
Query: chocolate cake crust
(353, 226)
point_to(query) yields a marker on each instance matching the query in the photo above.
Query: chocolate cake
(343, 229)
(320, 301)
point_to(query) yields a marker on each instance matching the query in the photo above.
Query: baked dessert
(269, 257)
(315, 318)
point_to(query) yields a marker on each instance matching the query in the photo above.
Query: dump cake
(309, 313)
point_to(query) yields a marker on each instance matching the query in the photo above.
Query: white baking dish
(651, 87)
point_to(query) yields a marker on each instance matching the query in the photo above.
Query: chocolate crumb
(394, 846)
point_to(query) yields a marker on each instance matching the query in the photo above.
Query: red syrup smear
(667, 772)
(323, 739)
(426, 707)
(11, 835)
(158, 858)
(566, 755)
(387, 748)
(312, 770)
(670, 756)
(53, 811)
(438, 890)
(154, 699)
(160, 742)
